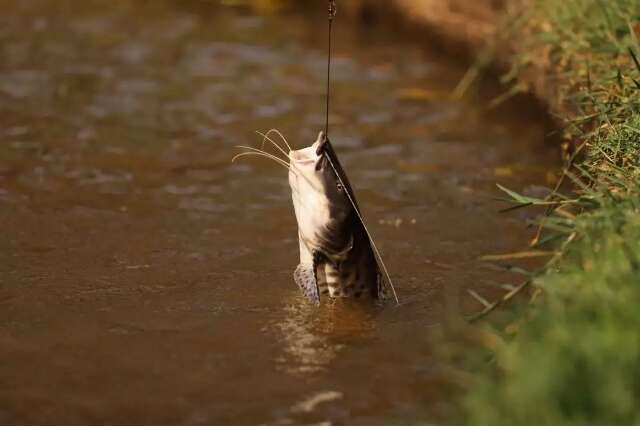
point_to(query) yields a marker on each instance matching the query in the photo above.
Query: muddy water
(144, 279)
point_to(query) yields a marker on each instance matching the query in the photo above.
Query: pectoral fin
(305, 277)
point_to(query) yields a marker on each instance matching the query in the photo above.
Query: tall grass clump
(572, 356)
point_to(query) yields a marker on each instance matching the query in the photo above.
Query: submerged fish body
(336, 257)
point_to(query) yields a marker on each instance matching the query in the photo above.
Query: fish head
(320, 196)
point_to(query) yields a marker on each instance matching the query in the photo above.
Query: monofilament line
(373, 244)
(332, 14)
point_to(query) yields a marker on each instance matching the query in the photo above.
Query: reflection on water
(313, 337)
(144, 279)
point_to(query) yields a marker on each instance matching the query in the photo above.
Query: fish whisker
(266, 138)
(276, 131)
(250, 148)
(256, 152)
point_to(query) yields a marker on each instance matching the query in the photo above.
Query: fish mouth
(305, 156)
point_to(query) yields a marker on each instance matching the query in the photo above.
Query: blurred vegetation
(572, 355)
(263, 7)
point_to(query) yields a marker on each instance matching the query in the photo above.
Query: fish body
(336, 256)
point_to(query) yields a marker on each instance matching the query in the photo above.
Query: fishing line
(332, 15)
(373, 244)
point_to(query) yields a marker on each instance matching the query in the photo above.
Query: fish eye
(339, 186)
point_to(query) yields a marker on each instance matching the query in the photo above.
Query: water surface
(144, 279)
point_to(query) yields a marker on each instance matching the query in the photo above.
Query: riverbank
(575, 359)
(572, 355)
(455, 26)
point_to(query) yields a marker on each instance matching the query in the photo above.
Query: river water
(146, 280)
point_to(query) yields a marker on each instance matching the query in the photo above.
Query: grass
(572, 355)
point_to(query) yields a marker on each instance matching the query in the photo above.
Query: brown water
(145, 280)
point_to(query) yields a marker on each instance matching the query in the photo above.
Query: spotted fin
(305, 277)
